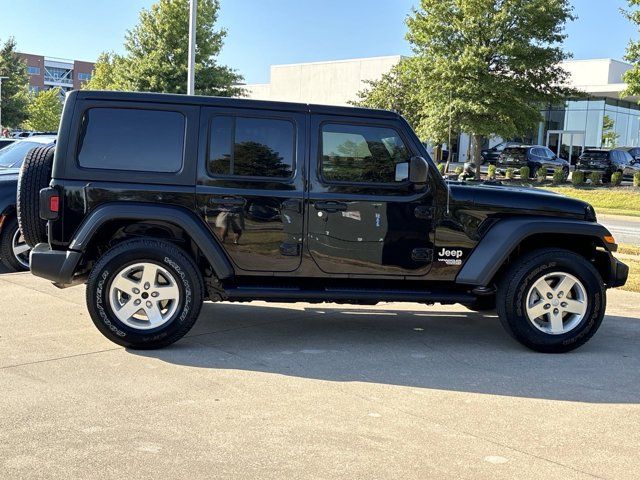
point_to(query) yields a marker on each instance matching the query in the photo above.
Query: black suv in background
(204, 198)
(491, 155)
(607, 162)
(535, 157)
(14, 251)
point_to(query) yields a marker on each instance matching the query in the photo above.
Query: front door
(250, 185)
(364, 216)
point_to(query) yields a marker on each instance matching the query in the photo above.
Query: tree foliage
(15, 87)
(489, 64)
(632, 55)
(156, 54)
(44, 110)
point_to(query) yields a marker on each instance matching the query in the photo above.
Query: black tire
(484, 303)
(515, 284)
(7, 257)
(163, 254)
(35, 174)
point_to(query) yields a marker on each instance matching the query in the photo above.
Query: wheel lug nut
(547, 306)
(555, 311)
(563, 304)
(148, 304)
(136, 291)
(137, 302)
(549, 295)
(154, 294)
(560, 294)
(146, 286)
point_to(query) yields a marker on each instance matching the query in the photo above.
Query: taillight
(49, 204)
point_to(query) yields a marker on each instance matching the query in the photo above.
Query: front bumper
(619, 274)
(58, 266)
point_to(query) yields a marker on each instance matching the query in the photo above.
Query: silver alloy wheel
(20, 248)
(144, 295)
(556, 303)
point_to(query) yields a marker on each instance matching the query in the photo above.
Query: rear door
(364, 216)
(250, 185)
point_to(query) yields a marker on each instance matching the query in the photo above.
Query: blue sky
(265, 32)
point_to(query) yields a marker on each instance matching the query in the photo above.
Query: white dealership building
(567, 128)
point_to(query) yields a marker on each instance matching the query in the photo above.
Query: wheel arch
(122, 220)
(511, 237)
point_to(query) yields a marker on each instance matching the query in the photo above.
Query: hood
(9, 173)
(527, 200)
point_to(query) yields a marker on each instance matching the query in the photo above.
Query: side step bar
(346, 295)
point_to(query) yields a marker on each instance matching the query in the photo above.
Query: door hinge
(422, 255)
(290, 249)
(424, 213)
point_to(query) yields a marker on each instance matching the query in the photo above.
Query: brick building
(48, 72)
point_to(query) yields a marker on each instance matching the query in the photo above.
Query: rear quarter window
(132, 139)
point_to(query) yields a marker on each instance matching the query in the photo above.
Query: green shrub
(525, 172)
(491, 172)
(541, 174)
(509, 173)
(636, 179)
(441, 168)
(578, 177)
(558, 176)
(596, 178)
(458, 170)
(616, 178)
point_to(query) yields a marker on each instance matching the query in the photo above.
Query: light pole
(1, 78)
(193, 9)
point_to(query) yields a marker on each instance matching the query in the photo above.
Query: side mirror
(418, 170)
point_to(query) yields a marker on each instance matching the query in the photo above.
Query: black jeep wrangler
(159, 202)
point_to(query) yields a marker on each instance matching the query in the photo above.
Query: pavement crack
(35, 362)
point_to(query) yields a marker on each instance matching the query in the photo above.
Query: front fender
(503, 238)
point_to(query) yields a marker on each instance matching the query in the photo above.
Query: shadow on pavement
(455, 351)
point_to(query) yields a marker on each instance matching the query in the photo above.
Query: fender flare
(503, 237)
(171, 214)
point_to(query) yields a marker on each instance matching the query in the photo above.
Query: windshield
(13, 155)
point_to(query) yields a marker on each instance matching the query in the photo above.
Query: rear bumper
(58, 266)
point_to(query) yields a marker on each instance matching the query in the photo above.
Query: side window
(627, 158)
(251, 147)
(132, 139)
(361, 154)
(549, 153)
(537, 152)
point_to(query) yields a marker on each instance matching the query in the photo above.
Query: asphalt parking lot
(312, 391)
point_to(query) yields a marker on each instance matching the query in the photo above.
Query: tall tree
(156, 54)
(489, 64)
(44, 111)
(632, 76)
(15, 87)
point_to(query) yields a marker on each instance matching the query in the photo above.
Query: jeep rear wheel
(35, 174)
(144, 294)
(551, 300)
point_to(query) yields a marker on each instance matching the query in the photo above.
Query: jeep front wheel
(551, 300)
(144, 294)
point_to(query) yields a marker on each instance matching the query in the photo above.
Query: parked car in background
(633, 151)
(5, 142)
(607, 162)
(491, 155)
(21, 134)
(14, 252)
(535, 157)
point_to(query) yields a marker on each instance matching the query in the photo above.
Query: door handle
(228, 201)
(331, 206)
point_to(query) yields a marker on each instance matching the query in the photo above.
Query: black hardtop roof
(230, 102)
